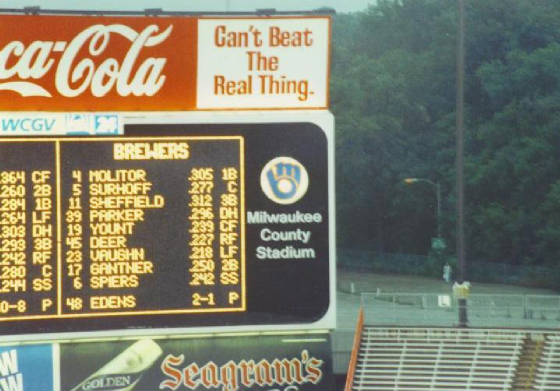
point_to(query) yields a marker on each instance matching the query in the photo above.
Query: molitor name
(304, 369)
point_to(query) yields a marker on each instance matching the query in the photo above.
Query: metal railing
(440, 310)
(479, 270)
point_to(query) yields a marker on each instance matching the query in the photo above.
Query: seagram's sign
(78, 63)
(233, 363)
(291, 373)
(94, 63)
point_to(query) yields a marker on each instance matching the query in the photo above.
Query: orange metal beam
(355, 349)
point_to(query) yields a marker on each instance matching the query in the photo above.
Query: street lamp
(409, 181)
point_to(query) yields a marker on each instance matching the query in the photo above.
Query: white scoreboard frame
(324, 120)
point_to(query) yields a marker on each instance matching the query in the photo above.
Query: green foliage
(393, 94)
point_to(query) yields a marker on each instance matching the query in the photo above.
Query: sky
(191, 5)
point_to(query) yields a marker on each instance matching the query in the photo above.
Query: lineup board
(130, 221)
(169, 231)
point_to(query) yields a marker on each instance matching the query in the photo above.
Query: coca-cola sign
(97, 63)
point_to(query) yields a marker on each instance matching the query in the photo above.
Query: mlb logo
(106, 124)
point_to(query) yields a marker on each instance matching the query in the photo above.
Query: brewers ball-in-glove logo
(284, 180)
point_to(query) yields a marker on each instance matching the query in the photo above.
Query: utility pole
(462, 302)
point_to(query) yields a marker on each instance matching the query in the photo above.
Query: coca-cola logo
(21, 66)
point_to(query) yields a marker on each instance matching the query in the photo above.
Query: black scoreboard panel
(165, 227)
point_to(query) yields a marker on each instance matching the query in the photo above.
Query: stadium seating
(547, 377)
(426, 359)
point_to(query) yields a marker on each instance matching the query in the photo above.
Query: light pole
(409, 181)
(459, 163)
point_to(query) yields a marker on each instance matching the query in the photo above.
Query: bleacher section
(386, 358)
(431, 359)
(547, 377)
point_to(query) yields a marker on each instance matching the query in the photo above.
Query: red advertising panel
(96, 63)
(73, 63)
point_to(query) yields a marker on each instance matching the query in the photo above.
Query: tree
(393, 94)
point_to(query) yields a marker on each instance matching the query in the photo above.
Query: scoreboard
(169, 226)
(105, 200)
